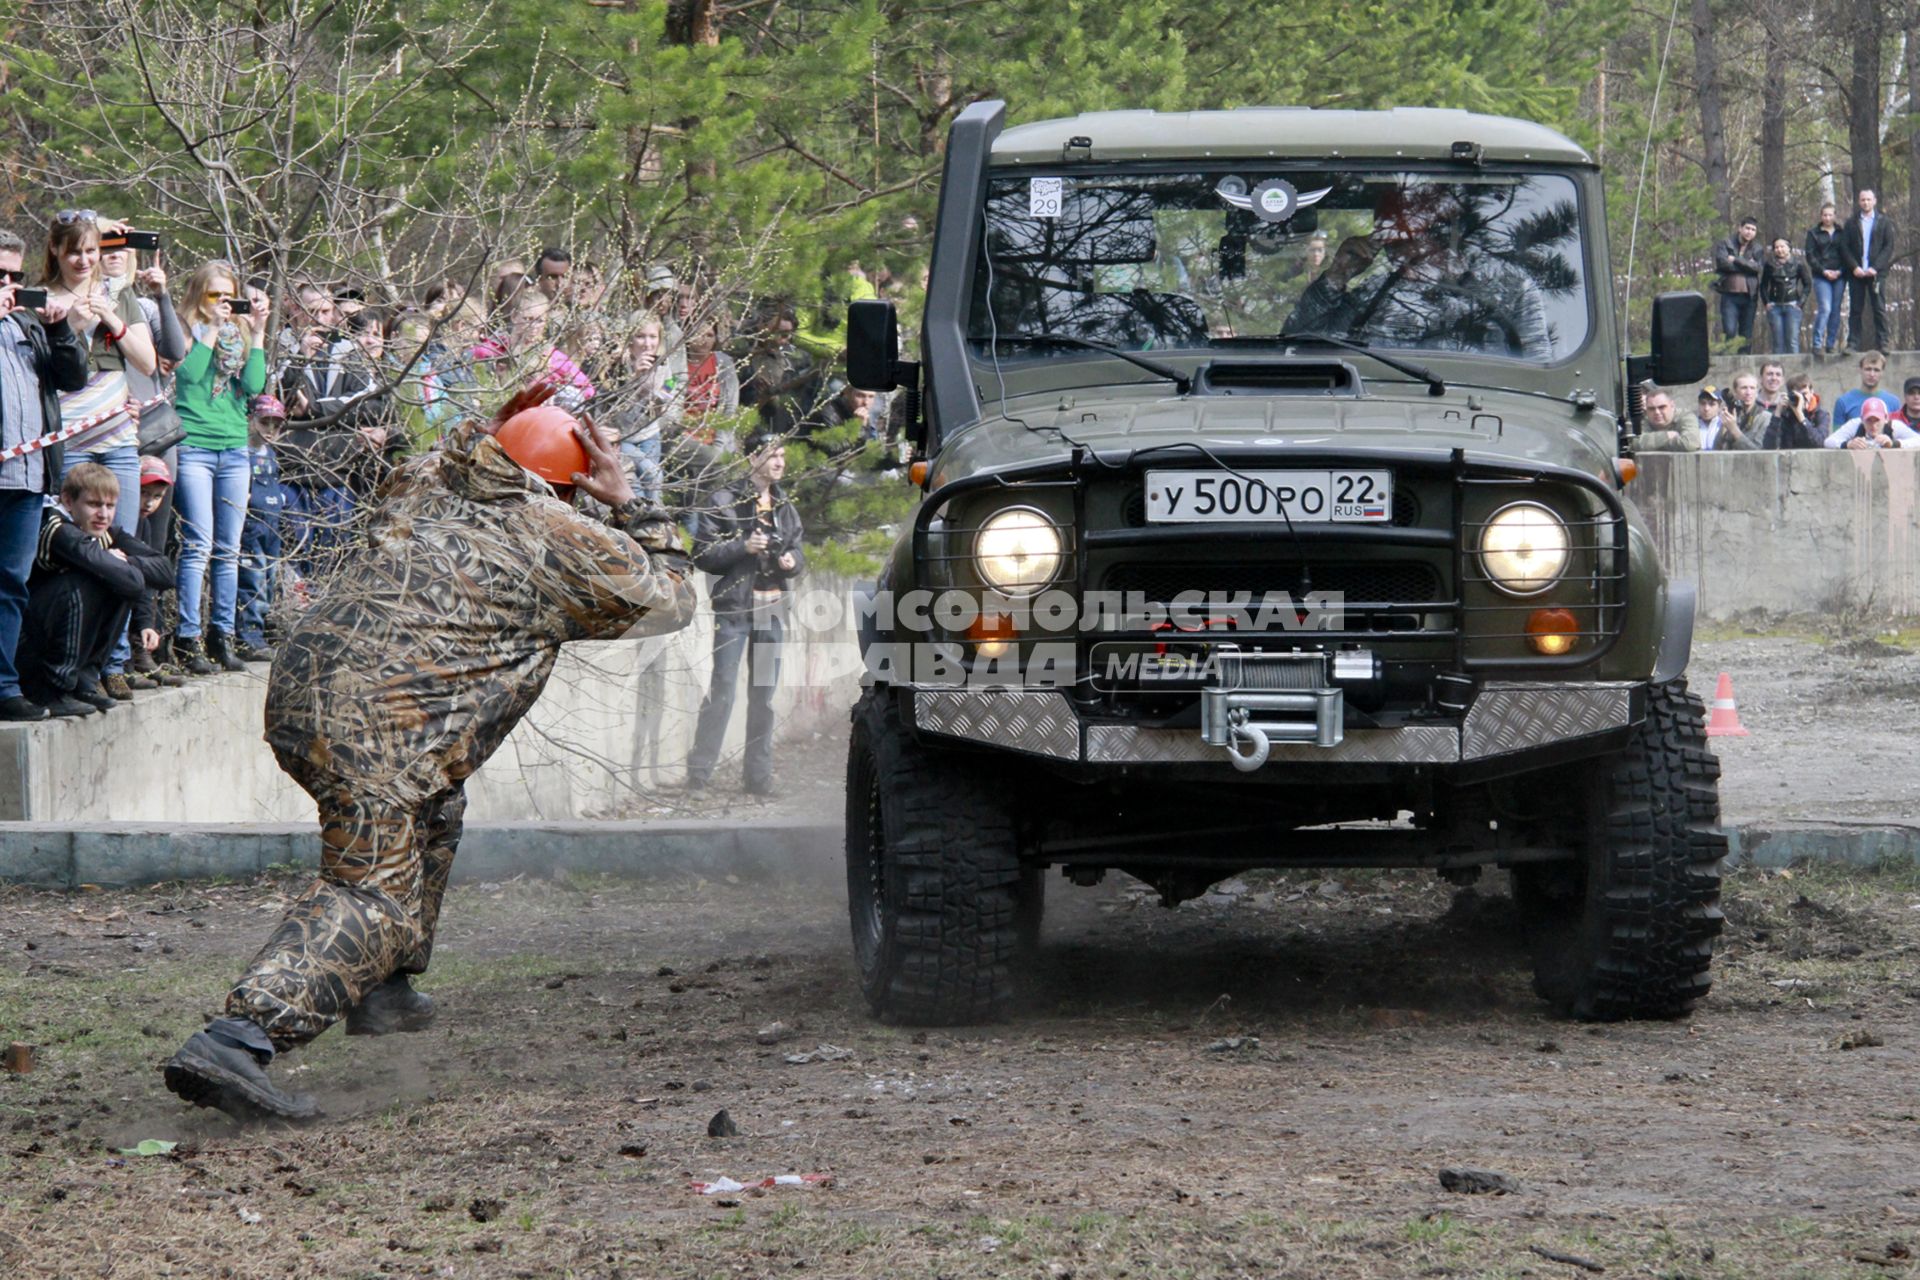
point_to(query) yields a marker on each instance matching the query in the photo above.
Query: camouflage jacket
(439, 632)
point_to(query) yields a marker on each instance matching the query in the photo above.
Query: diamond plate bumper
(1505, 718)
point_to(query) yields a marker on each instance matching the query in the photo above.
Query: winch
(1258, 699)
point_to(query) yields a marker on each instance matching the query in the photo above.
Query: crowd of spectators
(184, 466)
(1838, 261)
(1766, 409)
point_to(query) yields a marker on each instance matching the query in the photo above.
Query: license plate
(1357, 497)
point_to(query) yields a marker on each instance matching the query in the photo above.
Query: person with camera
(749, 543)
(103, 416)
(40, 357)
(225, 368)
(1800, 422)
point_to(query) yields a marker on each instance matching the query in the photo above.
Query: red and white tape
(85, 424)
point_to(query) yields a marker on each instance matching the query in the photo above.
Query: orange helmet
(541, 439)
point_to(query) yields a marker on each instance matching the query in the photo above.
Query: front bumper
(1506, 719)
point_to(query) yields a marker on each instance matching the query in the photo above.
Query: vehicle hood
(1523, 428)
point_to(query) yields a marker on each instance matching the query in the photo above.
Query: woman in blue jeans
(225, 369)
(1829, 281)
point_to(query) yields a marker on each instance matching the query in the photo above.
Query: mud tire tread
(951, 865)
(1639, 944)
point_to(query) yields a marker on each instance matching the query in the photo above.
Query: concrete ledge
(113, 855)
(1865, 844)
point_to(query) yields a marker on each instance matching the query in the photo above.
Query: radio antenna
(1640, 187)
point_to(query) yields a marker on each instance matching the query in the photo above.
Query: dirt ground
(1832, 720)
(1264, 1082)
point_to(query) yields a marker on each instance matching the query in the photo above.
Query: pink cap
(154, 471)
(1872, 409)
(268, 407)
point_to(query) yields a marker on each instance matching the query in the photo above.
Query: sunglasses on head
(67, 216)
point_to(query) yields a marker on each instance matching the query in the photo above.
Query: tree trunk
(1773, 138)
(1713, 129)
(1910, 215)
(1863, 92)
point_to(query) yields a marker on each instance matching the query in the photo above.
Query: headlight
(1017, 551)
(1524, 548)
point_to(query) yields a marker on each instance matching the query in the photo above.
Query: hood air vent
(1278, 378)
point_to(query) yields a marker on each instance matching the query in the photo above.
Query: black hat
(761, 439)
(1709, 393)
(1913, 385)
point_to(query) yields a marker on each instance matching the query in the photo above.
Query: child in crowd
(87, 576)
(150, 614)
(260, 546)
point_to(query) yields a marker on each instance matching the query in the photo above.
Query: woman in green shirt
(225, 369)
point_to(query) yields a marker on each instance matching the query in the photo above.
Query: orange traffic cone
(1724, 722)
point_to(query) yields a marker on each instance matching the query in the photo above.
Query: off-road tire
(933, 873)
(1628, 932)
(1029, 909)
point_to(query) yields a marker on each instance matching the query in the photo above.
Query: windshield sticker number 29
(1044, 197)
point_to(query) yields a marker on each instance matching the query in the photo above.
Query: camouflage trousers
(371, 914)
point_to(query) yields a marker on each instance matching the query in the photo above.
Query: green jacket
(1682, 437)
(216, 422)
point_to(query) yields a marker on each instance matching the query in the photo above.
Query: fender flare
(1676, 632)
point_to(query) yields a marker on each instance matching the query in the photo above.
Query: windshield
(1481, 264)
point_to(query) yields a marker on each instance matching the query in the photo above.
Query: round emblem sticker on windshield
(1275, 200)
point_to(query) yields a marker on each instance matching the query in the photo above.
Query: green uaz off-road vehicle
(1274, 517)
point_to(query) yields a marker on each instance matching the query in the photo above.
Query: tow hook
(1257, 744)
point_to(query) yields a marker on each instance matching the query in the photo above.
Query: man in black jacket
(40, 356)
(1866, 250)
(1736, 260)
(749, 542)
(87, 577)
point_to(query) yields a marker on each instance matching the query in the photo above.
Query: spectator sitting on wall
(1909, 414)
(87, 576)
(1668, 430)
(1873, 366)
(1800, 423)
(1873, 429)
(1744, 425)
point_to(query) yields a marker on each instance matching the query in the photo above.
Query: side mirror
(1679, 339)
(873, 345)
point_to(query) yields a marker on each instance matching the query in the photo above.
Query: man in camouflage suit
(424, 651)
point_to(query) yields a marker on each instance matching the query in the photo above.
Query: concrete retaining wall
(1798, 531)
(616, 722)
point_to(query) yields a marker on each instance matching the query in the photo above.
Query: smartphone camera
(32, 299)
(241, 306)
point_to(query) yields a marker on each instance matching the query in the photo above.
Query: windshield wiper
(1435, 387)
(1182, 383)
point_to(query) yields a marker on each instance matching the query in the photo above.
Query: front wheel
(933, 875)
(1627, 931)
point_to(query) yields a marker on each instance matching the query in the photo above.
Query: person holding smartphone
(119, 347)
(225, 368)
(40, 357)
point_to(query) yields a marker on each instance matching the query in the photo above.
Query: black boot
(392, 1006)
(191, 657)
(225, 1066)
(220, 652)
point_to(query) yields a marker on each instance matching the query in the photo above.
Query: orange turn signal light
(1552, 631)
(1627, 469)
(992, 635)
(917, 472)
